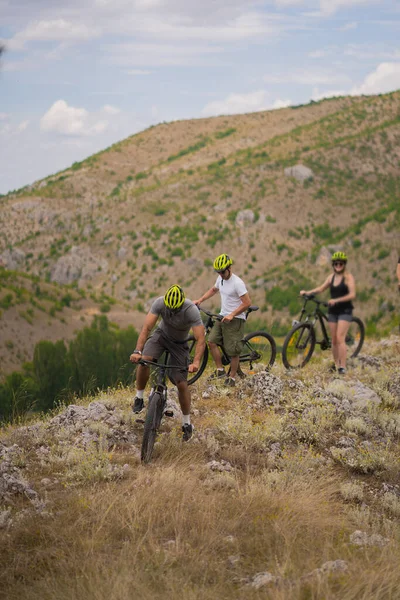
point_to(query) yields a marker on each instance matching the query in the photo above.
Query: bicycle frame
(316, 315)
(209, 324)
(160, 385)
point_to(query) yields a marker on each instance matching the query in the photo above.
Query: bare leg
(234, 366)
(333, 329)
(142, 375)
(342, 329)
(216, 354)
(184, 397)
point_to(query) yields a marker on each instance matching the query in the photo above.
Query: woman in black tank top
(342, 291)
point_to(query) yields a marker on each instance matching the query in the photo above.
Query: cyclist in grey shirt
(178, 316)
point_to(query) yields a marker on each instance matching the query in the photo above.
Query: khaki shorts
(228, 335)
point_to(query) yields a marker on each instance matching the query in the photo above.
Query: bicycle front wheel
(258, 354)
(355, 337)
(298, 346)
(152, 423)
(192, 377)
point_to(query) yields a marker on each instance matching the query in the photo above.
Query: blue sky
(79, 75)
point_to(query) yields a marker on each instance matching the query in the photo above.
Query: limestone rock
(245, 217)
(299, 172)
(78, 264)
(12, 259)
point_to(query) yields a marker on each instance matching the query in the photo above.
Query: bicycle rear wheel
(355, 337)
(192, 377)
(298, 346)
(152, 423)
(258, 354)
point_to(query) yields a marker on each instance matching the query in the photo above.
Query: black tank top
(337, 291)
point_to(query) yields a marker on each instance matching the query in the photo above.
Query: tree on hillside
(17, 396)
(99, 356)
(125, 342)
(51, 372)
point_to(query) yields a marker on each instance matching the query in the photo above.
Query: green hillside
(159, 206)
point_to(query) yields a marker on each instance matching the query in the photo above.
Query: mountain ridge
(159, 206)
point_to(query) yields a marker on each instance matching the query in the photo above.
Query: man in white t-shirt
(228, 332)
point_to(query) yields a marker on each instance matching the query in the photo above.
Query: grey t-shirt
(176, 325)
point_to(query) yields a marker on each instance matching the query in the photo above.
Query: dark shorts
(344, 316)
(158, 343)
(228, 335)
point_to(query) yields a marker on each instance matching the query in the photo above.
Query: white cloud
(178, 28)
(372, 52)
(318, 95)
(68, 120)
(22, 126)
(155, 55)
(111, 110)
(385, 78)
(3, 116)
(242, 103)
(55, 30)
(237, 103)
(281, 104)
(308, 77)
(328, 7)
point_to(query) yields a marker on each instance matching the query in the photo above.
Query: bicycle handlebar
(312, 297)
(220, 317)
(210, 314)
(146, 363)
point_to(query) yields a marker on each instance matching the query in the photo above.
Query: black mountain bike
(299, 343)
(156, 406)
(259, 349)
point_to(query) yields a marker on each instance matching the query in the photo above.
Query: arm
(318, 289)
(245, 303)
(200, 336)
(350, 296)
(148, 325)
(209, 294)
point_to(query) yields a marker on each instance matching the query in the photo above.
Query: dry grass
(179, 528)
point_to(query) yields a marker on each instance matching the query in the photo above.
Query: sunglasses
(222, 272)
(338, 263)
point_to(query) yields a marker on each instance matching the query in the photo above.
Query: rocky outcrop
(12, 259)
(299, 172)
(245, 217)
(78, 265)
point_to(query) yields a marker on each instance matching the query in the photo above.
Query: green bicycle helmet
(174, 297)
(222, 262)
(339, 256)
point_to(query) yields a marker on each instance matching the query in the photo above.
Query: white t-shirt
(231, 289)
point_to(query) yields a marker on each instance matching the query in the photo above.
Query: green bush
(223, 134)
(383, 254)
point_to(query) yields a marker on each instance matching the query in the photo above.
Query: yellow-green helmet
(222, 262)
(174, 297)
(339, 256)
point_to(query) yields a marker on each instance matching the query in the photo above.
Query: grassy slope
(169, 197)
(32, 310)
(176, 527)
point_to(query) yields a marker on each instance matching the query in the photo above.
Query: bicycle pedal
(139, 420)
(169, 413)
